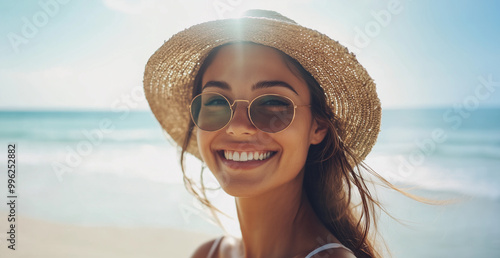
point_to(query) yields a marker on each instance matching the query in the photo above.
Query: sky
(81, 55)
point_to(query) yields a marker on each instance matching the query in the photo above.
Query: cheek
(295, 144)
(301, 129)
(204, 139)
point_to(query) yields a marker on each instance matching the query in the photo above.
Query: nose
(240, 124)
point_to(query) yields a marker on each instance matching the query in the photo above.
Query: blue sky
(91, 54)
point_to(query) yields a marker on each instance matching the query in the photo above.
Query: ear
(318, 132)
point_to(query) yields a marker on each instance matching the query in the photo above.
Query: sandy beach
(36, 238)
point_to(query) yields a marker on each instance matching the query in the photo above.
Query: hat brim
(349, 90)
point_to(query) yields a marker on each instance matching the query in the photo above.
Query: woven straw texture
(350, 91)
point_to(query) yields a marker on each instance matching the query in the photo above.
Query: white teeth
(246, 156)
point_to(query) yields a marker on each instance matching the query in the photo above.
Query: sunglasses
(271, 113)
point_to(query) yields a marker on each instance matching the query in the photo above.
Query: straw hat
(349, 90)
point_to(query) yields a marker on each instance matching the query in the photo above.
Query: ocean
(119, 169)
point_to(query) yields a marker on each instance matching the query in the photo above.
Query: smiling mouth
(245, 156)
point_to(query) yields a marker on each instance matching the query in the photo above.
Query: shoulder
(338, 252)
(335, 253)
(203, 249)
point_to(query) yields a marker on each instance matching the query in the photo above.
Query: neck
(277, 223)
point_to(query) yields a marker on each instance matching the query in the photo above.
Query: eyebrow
(218, 84)
(267, 84)
(258, 85)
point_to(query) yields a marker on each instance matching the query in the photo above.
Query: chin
(239, 191)
(239, 183)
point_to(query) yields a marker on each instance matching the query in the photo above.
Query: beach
(38, 238)
(421, 230)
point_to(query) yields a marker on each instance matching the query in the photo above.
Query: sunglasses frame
(248, 109)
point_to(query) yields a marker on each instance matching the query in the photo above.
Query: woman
(282, 116)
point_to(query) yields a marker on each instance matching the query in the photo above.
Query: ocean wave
(92, 135)
(159, 163)
(463, 177)
(476, 145)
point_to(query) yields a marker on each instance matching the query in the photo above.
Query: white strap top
(326, 247)
(214, 246)
(310, 255)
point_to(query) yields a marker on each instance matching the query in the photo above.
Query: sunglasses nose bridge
(240, 120)
(234, 104)
(239, 100)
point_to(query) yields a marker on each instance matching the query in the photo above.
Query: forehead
(241, 49)
(240, 57)
(243, 64)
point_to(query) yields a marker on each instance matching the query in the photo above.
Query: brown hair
(332, 174)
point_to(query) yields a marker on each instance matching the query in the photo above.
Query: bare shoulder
(203, 249)
(337, 253)
(332, 253)
(329, 253)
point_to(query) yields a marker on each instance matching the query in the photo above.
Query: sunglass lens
(210, 112)
(272, 113)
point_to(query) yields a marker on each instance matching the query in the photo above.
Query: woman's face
(234, 72)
